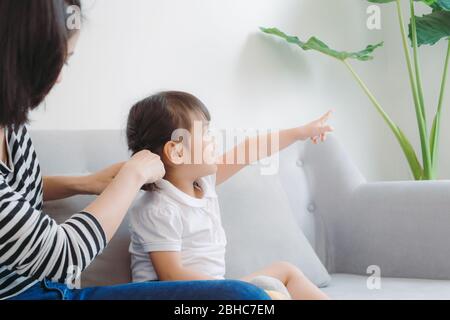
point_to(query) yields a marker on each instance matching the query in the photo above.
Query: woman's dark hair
(33, 42)
(152, 121)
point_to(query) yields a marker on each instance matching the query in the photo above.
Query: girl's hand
(317, 130)
(145, 166)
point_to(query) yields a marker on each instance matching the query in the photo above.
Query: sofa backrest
(79, 153)
(313, 178)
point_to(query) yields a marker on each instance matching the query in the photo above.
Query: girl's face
(201, 154)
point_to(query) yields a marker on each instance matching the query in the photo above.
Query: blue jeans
(178, 290)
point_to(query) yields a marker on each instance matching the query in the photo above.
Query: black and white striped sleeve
(34, 245)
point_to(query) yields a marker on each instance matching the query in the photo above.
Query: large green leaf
(381, 1)
(429, 2)
(435, 4)
(317, 45)
(441, 4)
(432, 27)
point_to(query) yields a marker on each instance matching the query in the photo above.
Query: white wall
(213, 49)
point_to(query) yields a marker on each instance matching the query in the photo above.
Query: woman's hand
(317, 130)
(96, 183)
(145, 166)
(57, 188)
(112, 204)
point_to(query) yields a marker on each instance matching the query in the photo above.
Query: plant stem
(407, 54)
(434, 143)
(426, 156)
(416, 60)
(417, 171)
(444, 79)
(371, 96)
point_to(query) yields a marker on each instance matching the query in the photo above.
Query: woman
(37, 256)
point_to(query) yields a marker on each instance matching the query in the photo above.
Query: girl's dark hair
(33, 42)
(152, 121)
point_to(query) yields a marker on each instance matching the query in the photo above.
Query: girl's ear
(174, 152)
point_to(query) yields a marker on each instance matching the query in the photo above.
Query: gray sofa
(401, 228)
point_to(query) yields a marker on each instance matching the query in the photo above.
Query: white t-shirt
(170, 220)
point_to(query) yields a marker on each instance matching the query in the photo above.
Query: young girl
(176, 230)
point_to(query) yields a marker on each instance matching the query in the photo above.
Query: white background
(213, 48)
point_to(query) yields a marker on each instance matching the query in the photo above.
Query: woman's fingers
(114, 169)
(97, 182)
(148, 166)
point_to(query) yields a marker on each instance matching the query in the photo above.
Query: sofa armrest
(402, 227)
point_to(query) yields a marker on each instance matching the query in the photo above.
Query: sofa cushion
(113, 265)
(259, 232)
(351, 287)
(262, 229)
(87, 151)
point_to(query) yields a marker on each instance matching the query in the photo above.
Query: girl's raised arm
(316, 131)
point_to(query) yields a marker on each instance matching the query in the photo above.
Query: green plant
(425, 30)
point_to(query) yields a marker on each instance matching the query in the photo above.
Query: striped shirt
(33, 247)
